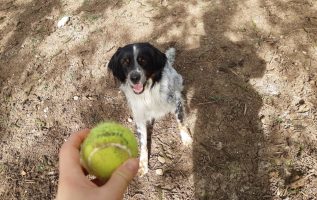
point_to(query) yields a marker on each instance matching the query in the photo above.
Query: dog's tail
(170, 54)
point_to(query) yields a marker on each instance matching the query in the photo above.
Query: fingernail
(132, 164)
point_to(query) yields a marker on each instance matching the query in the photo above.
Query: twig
(141, 3)
(273, 57)
(29, 181)
(115, 4)
(203, 103)
(245, 109)
(110, 48)
(233, 72)
(299, 29)
(305, 29)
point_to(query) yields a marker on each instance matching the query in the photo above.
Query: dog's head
(135, 64)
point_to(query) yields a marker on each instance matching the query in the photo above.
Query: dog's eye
(141, 60)
(125, 61)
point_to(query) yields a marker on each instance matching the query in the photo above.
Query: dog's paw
(144, 169)
(185, 136)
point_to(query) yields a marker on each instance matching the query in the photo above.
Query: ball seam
(96, 149)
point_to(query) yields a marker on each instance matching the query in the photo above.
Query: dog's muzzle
(136, 83)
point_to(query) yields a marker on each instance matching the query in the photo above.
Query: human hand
(73, 184)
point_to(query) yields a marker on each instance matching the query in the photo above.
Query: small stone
(76, 98)
(301, 102)
(130, 119)
(46, 109)
(303, 109)
(23, 173)
(51, 173)
(159, 172)
(62, 22)
(219, 146)
(161, 159)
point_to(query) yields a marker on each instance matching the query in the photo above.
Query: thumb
(120, 179)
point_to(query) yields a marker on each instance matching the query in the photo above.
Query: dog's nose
(135, 77)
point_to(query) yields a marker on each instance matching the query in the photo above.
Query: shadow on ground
(31, 22)
(227, 131)
(26, 22)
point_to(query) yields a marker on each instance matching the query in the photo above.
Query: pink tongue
(138, 88)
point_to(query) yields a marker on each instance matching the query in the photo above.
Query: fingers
(121, 178)
(76, 139)
(69, 158)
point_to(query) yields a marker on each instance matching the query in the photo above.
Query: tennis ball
(106, 147)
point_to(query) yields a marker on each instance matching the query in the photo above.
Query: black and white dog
(152, 87)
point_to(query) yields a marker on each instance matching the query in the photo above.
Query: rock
(219, 146)
(51, 173)
(130, 119)
(161, 159)
(159, 172)
(301, 102)
(76, 98)
(23, 173)
(303, 109)
(46, 109)
(62, 22)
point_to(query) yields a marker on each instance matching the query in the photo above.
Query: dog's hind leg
(183, 130)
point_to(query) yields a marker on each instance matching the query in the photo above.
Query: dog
(152, 88)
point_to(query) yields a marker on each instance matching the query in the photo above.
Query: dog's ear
(159, 58)
(115, 67)
(159, 61)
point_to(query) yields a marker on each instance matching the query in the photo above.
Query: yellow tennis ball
(106, 147)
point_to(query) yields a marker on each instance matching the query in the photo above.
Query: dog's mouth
(138, 88)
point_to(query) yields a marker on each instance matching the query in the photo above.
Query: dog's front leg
(142, 135)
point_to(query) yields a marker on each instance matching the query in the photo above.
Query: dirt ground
(250, 69)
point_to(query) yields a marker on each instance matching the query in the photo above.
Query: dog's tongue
(138, 88)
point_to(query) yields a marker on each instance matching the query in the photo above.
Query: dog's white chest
(151, 104)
